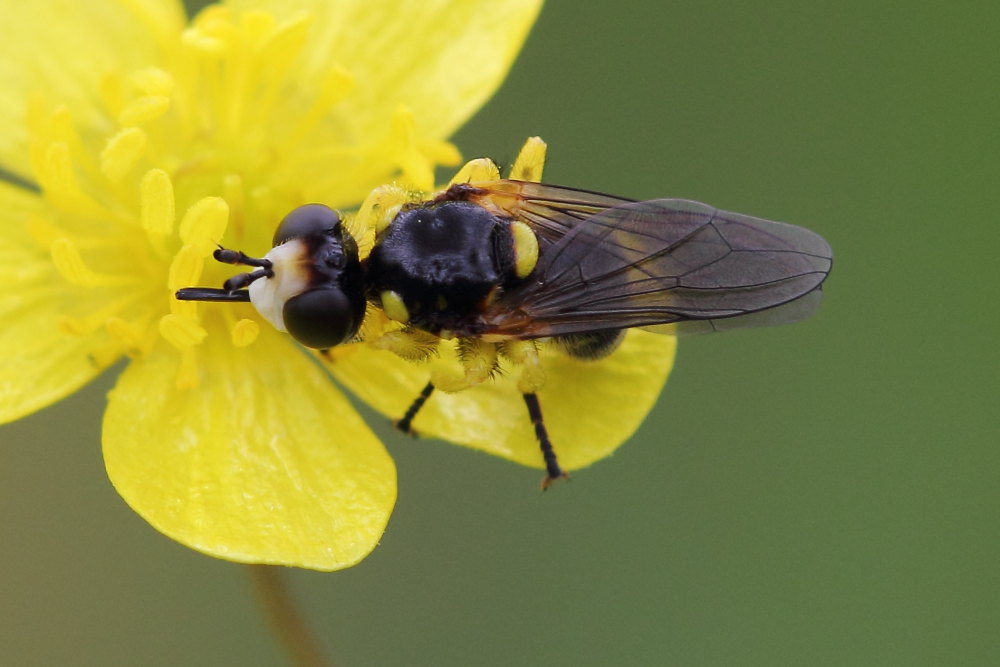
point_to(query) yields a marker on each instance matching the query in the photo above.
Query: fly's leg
(525, 354)
(479, 363)
(405, 424)
(552, 469)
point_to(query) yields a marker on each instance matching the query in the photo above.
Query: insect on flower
(504, 266)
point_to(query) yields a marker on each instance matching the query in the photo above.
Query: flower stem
(284, 617)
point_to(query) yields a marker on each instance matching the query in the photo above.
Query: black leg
(210, 294)
(552, 469)
(406, 422)
(227, 256)
(241, 280)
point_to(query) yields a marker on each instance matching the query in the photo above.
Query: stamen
(337, 85)
(417, 169)
(156, 204)
(122, 152)
(131, 336)
(480, 169)
(255, 24)
(203, 44)
(105, 354)
(42, 231)
(187, 373)
(85, 326)
(530, 161)
(68, 261)
(55, 173)
(377, 211)
(181, 332)
(441, 152)
(234, 195)
(204, 223)
(144, 109)
(283, 45)
(59, 127)
(112, 93)
(244, 332)
(186, 268)
(152, 81)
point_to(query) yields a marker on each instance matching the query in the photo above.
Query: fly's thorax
(436, 267)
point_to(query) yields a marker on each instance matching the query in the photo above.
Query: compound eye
(306, 221)
(322, 318)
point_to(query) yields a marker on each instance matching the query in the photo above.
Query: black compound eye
(323, 317)
(306, 221)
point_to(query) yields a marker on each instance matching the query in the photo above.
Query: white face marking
(289, 261)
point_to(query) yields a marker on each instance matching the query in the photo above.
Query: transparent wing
(664, 262)
(550, 210)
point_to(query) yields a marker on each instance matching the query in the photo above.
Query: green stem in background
(284, 617)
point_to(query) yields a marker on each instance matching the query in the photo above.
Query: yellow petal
(590, 407)
(39, 362)
(264, 462)
(63, 49)
(455, 53)
(441, 59)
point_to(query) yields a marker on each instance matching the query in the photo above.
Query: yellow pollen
(392, 304)
(122, 152)
(181, 332)
(479, 361)
(525, 248)
(480, 169)
(530, 161)
(379, 209)
(204, 224)
(525, 353)
(144, 109)
(156, 203)
(186, 268)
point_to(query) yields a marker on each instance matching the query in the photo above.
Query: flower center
(212, 144)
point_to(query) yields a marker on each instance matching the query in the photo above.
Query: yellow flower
(150, 141)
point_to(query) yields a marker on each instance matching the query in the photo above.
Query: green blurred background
(818, 494)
